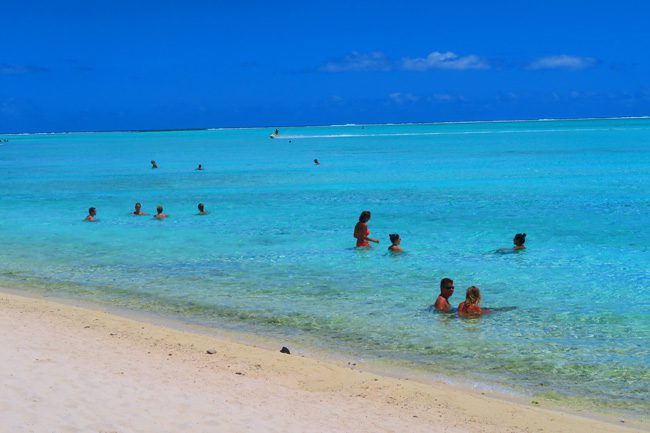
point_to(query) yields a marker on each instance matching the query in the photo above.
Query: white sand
(69, 369)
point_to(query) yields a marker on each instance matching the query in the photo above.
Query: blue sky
(80, 66)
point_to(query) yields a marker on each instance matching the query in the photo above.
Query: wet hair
(159, 208)
(445, 281)
(473, 296)
(394, 237)
(364, 217)
(201, 206)
(520, 238)
(91, 210)
(138, 204)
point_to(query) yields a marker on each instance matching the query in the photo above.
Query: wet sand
(69, 369)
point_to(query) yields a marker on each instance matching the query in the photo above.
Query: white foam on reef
(417, 134)
(458, 122)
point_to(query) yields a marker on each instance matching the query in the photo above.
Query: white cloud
(403, 98)
(439, 60)
(562, 62)
(355, 61)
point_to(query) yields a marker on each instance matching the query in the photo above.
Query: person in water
(316, 162)
(138, 210)
(202, 210)
(276, 132)
(91, 214)
(361, 231)
(159, 213)
(200, 167)
(446, 290)
(395, 240)
(519, 240)
(153, 164)
(472, 304)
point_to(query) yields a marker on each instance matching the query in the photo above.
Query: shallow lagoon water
(275, 255)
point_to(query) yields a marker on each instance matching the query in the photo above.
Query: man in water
(316, 162)
(91, 214)
(153, 164)
(276, 132)
(160, 214)
(200, 167)
(202, 210)
(446, 290)
(138, 210)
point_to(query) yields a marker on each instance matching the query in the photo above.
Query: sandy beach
(70, 369)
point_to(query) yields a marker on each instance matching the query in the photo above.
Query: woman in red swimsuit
(472, 304)
(361, 231)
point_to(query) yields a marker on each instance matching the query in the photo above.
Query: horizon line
(330, 125)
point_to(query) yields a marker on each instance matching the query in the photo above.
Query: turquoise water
(275, 254)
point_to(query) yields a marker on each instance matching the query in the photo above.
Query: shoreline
(303, 380)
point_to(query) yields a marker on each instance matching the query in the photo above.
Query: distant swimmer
(446, 290)
(202, 210)
(159, 213)
(472, 304)
(361, 231)
(199, 168)
(91, 214)
(395, 241)
(153, 164)
(316, 162)
(138, 210)
(519, 240)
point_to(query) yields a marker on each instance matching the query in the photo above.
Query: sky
(135, 65)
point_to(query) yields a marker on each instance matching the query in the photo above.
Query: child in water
(519, 240)
(91, 214)
(395, 240)
(471, 305)
(159, 213)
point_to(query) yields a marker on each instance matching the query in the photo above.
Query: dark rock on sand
(285, 350)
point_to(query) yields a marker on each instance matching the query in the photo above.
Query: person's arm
(442, 305)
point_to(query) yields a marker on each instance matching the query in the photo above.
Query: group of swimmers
(160, 214)
(471, 306)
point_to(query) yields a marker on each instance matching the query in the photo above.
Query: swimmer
(160, 214)
(519, 240)
(91, 214)
(472, 304)
(446, 290)
(316, 162)
(138, 210)
(395, 240)
(202, 210)
(361, 231)
(153, 164)
(199, 168)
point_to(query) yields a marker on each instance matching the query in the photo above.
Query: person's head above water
(138, 206)
(472, 296)
(446, 287)
(92, 211)
(201, 207)
(364, 217)
(519, 239)
(394, 238)
(159, 209)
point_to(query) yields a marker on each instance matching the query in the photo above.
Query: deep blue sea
(275, 256)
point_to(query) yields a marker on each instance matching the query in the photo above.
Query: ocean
(275, 255)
